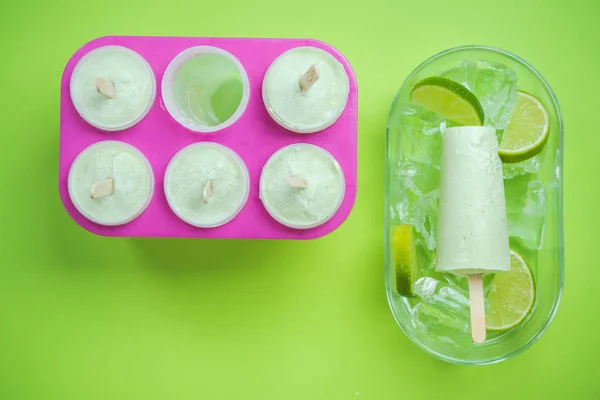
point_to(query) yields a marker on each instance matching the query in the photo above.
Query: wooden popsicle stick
(105, 87)
(207, 191)
(102, 189)
(309, 78)
(296, 182)
(478, 330)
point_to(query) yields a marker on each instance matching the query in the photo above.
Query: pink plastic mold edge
(255, 137)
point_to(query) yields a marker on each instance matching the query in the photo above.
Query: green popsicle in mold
(206, 184)
(305, 89)
(302, 186)
(111, 183)
(112, 88)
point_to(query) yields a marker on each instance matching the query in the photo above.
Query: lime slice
(405, 259)
(526, 131)
(449, 99)
(511, 295)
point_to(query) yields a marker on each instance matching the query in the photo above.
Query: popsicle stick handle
(296, 182)
(105, 87)
(309, 78)
(477, 308)
(102, 189)
(207, 191)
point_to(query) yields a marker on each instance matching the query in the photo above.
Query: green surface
(85, 318)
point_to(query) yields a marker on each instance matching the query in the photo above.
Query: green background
(85, 317)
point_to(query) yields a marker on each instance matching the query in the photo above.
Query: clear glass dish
(544, 253)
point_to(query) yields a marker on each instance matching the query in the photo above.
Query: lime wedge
(405, 259)
(449, 99)
(526, 131)
(511, 295)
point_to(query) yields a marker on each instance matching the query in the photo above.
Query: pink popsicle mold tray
(255, 136)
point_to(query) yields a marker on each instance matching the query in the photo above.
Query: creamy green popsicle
(305, 90)
(302, 186)
(206, 184)
(110, 183)
(112, 88)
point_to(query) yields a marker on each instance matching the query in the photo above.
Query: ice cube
(425, 256)
(494, 85)
(462, 282)
(417, 175)
(399, 211)
(465, 74)
(405, 175)
(451, 297)
(424, 216)
(418, 178)
(526, 210)
(529, 166)
(421, 135)
(444, 312)
(425, 286)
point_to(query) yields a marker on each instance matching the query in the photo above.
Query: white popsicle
(472, 230)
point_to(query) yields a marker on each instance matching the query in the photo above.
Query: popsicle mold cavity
(302, 186)
(110, 183)
(206, 184)
(112, 88)
(205, 89)
(305, 90)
